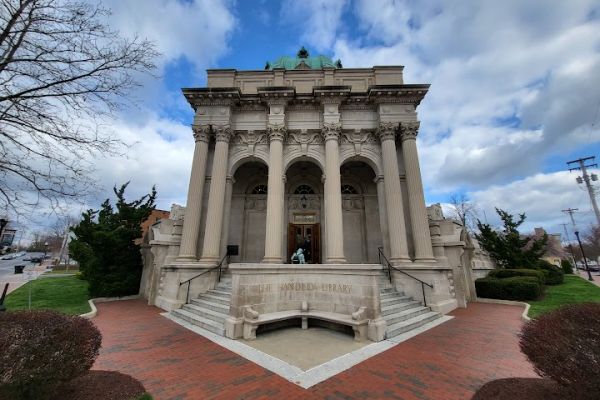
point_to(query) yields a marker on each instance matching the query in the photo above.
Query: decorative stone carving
(331, 131)
(304, 202)
(435, 213)
(222, 133)
(350, 203)
(387, 130)
(201, 133)
(303, 139)
(276, 131)
(409, 130)
(256, 203)
(177, 212)
(250, 139)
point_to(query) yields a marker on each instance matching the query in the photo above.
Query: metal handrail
(219, 266)
(390, 267)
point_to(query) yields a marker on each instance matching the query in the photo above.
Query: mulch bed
(520, 388)
(102, 385)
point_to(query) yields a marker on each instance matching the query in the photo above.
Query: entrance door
(307, 237)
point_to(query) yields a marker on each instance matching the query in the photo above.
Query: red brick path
(448, 362)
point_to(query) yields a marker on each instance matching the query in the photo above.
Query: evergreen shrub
(564, 345)
(566, 266)
(553, 274)
(41, 350)
(514, 288)
(509, 273)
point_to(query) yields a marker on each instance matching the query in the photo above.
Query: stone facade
(323, 159)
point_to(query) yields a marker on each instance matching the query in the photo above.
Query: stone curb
(94, 311)
(524, 316)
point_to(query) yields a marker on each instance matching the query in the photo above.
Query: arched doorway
(248, 213)
(360, 212)
(304, 205)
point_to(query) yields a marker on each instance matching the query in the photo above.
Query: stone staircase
(210, 309)
(401, 313)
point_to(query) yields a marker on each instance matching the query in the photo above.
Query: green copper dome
(303, 60)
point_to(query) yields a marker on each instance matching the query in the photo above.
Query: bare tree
(464, 211)
(63, 71)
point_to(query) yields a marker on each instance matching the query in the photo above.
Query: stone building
(307, 154)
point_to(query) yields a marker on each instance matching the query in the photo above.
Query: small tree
(464, 211)
(508, 247)
(105, 247)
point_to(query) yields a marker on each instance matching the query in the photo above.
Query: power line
(587, 179)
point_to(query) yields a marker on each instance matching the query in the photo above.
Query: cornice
(403, 94)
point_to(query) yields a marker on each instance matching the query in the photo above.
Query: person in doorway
(298, 257)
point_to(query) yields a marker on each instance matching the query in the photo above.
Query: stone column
(393, 193)
(275, 196)
(383, 224)
(333, 195)
(216, 196)
(226, 214)
(416, 199)
(191, 223)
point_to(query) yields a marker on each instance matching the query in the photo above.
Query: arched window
(304, 189)
(349, 189)
(260, 189)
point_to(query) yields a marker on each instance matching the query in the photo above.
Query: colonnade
(389, 192)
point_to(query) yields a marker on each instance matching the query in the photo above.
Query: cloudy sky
(514, 87)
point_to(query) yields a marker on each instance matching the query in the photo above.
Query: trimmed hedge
(564, 345)
(554, 275)
(514, 288)
(39, 350)
(566, 266)
(509, 273)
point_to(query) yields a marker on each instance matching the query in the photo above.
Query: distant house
(554, 250)
(7, 238)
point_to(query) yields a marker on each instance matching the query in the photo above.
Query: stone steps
(205, 313)
(218, 307)
(215, 298)
(195, 319)
(401, 313)
(410, 324)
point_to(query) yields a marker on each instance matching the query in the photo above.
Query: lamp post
(45, 249)
(587, 268)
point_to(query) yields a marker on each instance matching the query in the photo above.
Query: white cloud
(541, 197)
(320, 20)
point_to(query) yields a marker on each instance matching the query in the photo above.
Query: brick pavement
(595, 276)
(447, 362)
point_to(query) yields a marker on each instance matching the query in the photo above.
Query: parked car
(36, 259)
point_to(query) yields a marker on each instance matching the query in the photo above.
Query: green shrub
(514, 288)
(566, 266)
(509, 273)
(39, 350)
(553, 274)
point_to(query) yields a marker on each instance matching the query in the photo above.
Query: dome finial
(302, 53)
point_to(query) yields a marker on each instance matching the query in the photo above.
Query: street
(7, 271)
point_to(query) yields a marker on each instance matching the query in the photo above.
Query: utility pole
(576, 231)
(570, 245)
(586, 178)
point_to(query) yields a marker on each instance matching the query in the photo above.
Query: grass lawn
(573, 290)
(65, 294)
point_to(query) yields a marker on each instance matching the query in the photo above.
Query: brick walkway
(448, 362)
(595, 276)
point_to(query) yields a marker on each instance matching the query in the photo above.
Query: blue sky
(514, 87)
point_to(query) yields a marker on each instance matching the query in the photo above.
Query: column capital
(230, 179)
(222, 132)
(331, 130)
(409, 130)
(276, 132)
(387, 131)
(201, 133)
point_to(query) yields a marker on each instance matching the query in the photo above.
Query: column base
(272, 260)
(209, 260)
(426, 259)
(186, 258)
(400, 260)
(337, 260)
